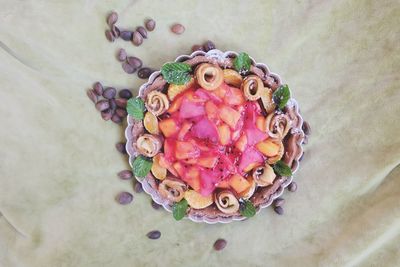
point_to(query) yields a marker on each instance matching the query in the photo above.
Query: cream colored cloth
(58, 163)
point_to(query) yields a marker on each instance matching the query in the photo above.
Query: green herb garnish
(281, 96)
(247, 208)
(176, 73)
(242, 62)
(135, 108)
(141, 166)
(282, 169)
(179, 209)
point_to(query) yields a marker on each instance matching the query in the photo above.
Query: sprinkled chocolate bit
(208, 46)
(306, 128)
(102, 105)
(144, 73)
(121, 147)
(155, 205)
(121, 102)
(279, 210)
(154, 234)
(292, 187)
(110, 37)
(109, 92)
(150, 25)
(106, 114)
(112, 18)
(121, 55)
(98, 88)
(125, 174)
(134, 62)
(220, 244)
(124, 198)
(138, 187)
(128, 68)
(178, 28)
(137, 38)
(115, 31)
(279, 202)
(92, 95)
(126, 35)
(121, 112)
(125, 93)
(142, 31)
(116, 119)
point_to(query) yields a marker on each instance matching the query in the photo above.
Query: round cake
(214, 136)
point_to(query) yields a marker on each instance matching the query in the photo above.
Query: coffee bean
(113, 105)
(150, 25)
(115, 31)
(305, 140)
(154, 234)
(125, 174)
(126, 35)
(137, 38)
(92, 95)
(178, 28)
(124, 198)
(125, 93)
(121, 147)
(138, 187)
(134, 62)
(306, 128)
(208, 46)
(102, 105)
(197, 48)
(144, 73)
(121, 102)
(112, 18)
(220, 244)
(155, 205)
(109, 92)
(98, 88)
(279, 210)
(121, 112)
(110, 37)
(128, 68)
(106, 114)
(142, 31)
(279, 202)
(121, 55)
(116, 119)
(292, 187)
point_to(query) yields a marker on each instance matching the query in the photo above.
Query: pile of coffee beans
(278, 205)
(131, 64)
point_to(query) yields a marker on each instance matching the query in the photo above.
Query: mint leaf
(282, 169)
(247, 208)
(176, 73)
(135, 108)
(281, 96)
(179, 209)
(141, 166)
(242, 62)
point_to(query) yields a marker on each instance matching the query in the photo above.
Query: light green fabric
(58, 163)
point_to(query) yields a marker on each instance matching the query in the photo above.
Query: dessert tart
(214, 137)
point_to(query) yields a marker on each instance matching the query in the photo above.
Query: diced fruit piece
(194, 98)
(238, 183)
(260, 123)
(192, 178)
(207, 161)
(184, 130)
(186, 150)
(202, 94)
(151, 123)
(196, 200)
(205, 129)
(225, 167)
(223, 184)
(190, 109)
(241, 143)
(246, 194)
(176, 104)
(234, 97)
(180, 169)
(229, 116)
(232, 77)
(157, 170)
(200, 145)
(165, 163)
(175, 89)
(268, 148)
(212, 111)
(168, 127)
(250, 159)
(208, 180)
(220, 92)
(190, 161)
(169, 149)
(224, 134)
(254, 135)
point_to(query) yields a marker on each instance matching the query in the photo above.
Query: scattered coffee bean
(279, 210)
(121, 112)
(125, 93)
(155, 205)
(124, 198)
(134, 62)
(98, 88)
(144, 73)
(106, 114)
(150, 25)
(109, 93)
(197, 48)
(112, 18)
(178, 28)
(113, 104)
(208, 46)
(292, 187)
(142, 31)
(137, 38)
(110, 37)
(121, 147)
(116, 119)
(126, 35)
(154, 234)
(306, 128)
(115, 31)
(279, 202)
(121, 102)
(138, 187)
(92, 95)
(305, 140)
(102, 105)
(128, 68)
(125, 174)
(220, 244)
(121, 55)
